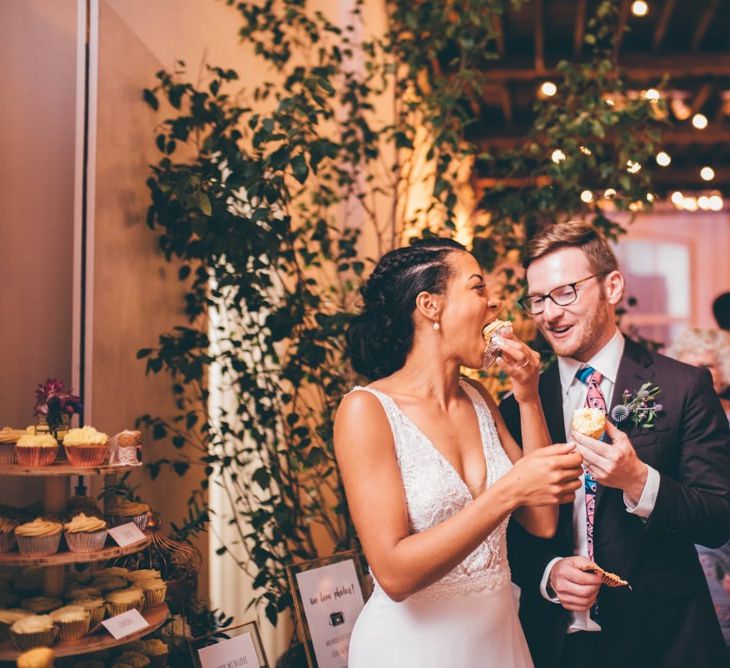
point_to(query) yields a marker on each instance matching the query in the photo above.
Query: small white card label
(126, 534)
(234, 652)
(125, 624)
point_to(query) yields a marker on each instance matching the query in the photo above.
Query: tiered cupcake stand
(54, 502)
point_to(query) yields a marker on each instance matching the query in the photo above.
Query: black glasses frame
(525, 302)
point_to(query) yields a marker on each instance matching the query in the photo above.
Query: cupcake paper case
(72, 622)
(33, 631)
(95, 606)
(123, 511)
(8, 438)
(85, 534)
(39, 537)
(86, 447)
(7, 534)
(8, 617)
(122, 600)
(36, 450)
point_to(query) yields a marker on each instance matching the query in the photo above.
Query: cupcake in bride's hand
(589, 422)
(495, 328)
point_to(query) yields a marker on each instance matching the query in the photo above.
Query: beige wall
(37, 119)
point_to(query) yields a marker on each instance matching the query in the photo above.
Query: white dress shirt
(606, 361)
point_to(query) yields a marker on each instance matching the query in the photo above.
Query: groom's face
(580, 329)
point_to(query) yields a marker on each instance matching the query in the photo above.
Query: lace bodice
(434, 492)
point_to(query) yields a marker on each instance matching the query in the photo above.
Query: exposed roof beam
(689, 177)
(685, 135)
(539, 36)
(580, 26)
(636, 66)
(701, 98)
(666, 178)
(703, 24)
(661, 27)
(506, 99)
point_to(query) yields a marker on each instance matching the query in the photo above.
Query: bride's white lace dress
(468, 618)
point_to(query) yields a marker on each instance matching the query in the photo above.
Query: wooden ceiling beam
(635, 66)
(506, 100)
(669, 178)
(663, 23)
(685, 135)
(701, 98)
(539, 36)
(580, 27)
(703, 24)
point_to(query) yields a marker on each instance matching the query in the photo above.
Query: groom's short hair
(572, 234)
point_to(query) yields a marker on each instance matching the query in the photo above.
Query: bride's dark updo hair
(380, 337)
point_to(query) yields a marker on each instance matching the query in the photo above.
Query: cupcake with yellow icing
(155, 650)
(154, 591)
(40, 657)
(39, 537)
(134, 659)
(95, 606)
(121, 600)
(7, 534)
(85, 534)
(144, 574)
(8, 438)
(8, 617)
(33, 631)
(122, 511)
(72, 622)
(590, 422)
(86, 446)
(81, 592)
(36, 450)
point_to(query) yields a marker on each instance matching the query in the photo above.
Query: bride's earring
(436, 326)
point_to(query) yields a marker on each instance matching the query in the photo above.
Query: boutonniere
(640, 407)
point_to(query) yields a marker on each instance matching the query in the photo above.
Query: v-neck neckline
(441, 455)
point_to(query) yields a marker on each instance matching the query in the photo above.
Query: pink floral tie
(594, 399)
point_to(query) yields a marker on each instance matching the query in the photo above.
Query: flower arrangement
(641, 408)
(55, 403)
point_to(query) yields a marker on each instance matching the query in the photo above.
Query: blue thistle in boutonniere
(640, 407)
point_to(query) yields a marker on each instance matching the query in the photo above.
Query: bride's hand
(522, 365)
(547, 476)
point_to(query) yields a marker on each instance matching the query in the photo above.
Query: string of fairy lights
(710, 201)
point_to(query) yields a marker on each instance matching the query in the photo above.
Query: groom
(654, 490)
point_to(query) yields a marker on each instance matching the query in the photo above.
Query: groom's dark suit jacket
(668, 619)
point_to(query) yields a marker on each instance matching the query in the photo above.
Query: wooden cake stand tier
(62, 469)
(97, 641)
(61, 558)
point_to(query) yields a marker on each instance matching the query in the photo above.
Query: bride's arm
(403, 562)
(541, 521)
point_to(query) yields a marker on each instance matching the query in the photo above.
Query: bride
(430, 471)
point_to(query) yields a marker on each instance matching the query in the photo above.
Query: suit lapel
(635, 368)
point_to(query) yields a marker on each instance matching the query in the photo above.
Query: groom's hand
(576, 589)
(615, 464)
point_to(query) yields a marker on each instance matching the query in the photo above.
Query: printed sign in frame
(328, 597)
(218, 638)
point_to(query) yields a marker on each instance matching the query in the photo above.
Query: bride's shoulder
(483, 392)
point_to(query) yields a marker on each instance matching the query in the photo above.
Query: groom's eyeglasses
(563, 295)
